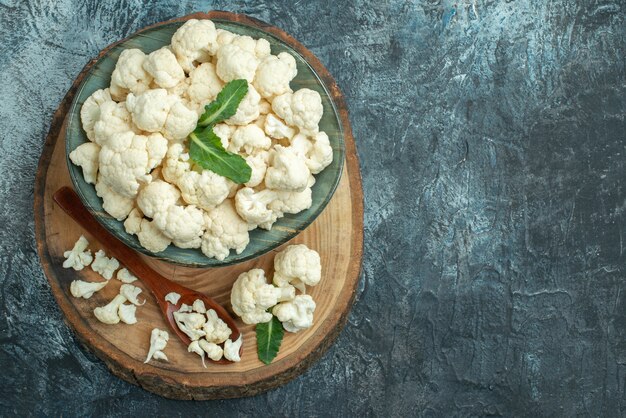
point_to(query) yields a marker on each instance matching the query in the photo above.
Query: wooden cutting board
(337, 234)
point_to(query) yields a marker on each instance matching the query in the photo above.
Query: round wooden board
(337, 234)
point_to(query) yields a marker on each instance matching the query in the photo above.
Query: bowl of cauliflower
(204, 142)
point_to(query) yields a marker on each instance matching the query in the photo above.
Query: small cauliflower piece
(234, 63)
(296, 315)
(158, 341)
(164, 68)
(184, 225)
(198, 306)
(127, 313)
(302, 109)
(248, 110)
(104, 265)
(176, 163)
(194, 347)
(292, 202)
(205, 190)
(251, 138)
(157, 197)
(191, 324)
(321, 154)
(212, 350)
(125, 276)
(86, 156)
(113, 203)
(258, 165)
(172, 298)
(149, 110)
(108, 314)
(225, 230)
(204, 85)
(231, 349)
(131, 292)
(129, 74)
(216, 330)
(251, 296)
(79, 256)
(277, 129)
(274, 74)
(297, 265)
(114, 118)
(224, 132)
(90, 111)
(287, 170)
(261, 48)
(253, 206)
(85, 290)
(150, 237)
(185, 308)
(194, 41)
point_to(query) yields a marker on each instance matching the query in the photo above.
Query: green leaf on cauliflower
(206, 150)
(225, 104)
(269, 336)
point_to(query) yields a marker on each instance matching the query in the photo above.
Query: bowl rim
(233, 258)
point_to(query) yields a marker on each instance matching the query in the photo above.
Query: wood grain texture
(337, 235)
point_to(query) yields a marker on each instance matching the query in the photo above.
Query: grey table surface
(492, 143)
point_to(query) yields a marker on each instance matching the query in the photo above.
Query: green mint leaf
(269, 336)
(225, 104)
(206, 150)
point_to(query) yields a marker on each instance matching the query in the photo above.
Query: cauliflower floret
(172, 298)
(125, 276)
(81, 289)
(231, 349)
(164, 68)
(79, 256)
(251, 296)
(277, 129)
(198, 306)
(251, 138)
(114, 118)
(297, 314)
(321, 154)
(287, 170)
(253, 206)
(86, 156)
(113, 203)
(224, 132)
(108, 314)
(129, 74)
(176, 163)
(302, 109)
(150, 237)
(180, 122)
(156, 197)
(104, 265)
(181, 224)
(212, 350)
(258, 164)
(291, 202)
(225, 230)
(127, 313)
(149, 110)
(191, 324)
(90, 110)
(248, 110)
(274, 74)
(297, 265)
(131, 292)
(234, 63)
(194, 347)
(195, 40)
(158, 341)
(216, 330)
(204, 85)
(205, 190)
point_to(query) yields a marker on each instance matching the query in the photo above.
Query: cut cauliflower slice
(302, 109)
(287, 170)
(90, 110)
(131, 293)
(296, 315)
(164, 68)
(108, 314)
(234, 63)
(194, 41)
(86, 156)
(113, 203)
(79, 256)
(125, 276)
(204, 85)
(274, 74)
(225, 230)
(158, 341)
(149, 110)
(297, 265)
(251, 138)
(215, 329)
(127, 313)
(248, 110)
(85, 290)
(104, 265)
(251, 296)
(232, 348)
(129, 75)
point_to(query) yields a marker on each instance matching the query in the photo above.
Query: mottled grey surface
(492, 141)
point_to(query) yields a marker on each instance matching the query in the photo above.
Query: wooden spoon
(69, 201)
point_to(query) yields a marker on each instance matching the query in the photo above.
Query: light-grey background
(492, 142)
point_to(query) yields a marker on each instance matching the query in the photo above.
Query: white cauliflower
(158, 341)
(82, 289)
(212, 350)
(108, 314)
(114, 118)
(176, 163)
(198, 306)
(321, 153)
(204, 86)
(131, 293)
(184, 225)
(251, 138)
(234, 63)
(172, 298)
(149, 110)
(205, 190)
(258, 165)
(90, 111)
(79, 256)
(251, 296)
(232, 348)
(297, 265)
(113, 203)
(194, 41)
(194, 347)
(277, 129)
(104, 265)
(157, 197)
(191, 324)
(225, 230)
(150, 237)
(125, 276)
(287, 170)
(224, 132)
(127, 313)
(86, 156)
(274, 74)
(248, 110)
(253, 206)
(296, 315)
(129, 74)
(302, 109)
(216, 330)
(180, 122)
(164, 68)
